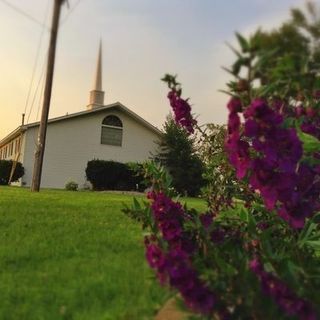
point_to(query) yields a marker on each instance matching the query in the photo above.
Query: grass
(73, 255)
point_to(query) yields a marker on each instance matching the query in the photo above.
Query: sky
(142, 40)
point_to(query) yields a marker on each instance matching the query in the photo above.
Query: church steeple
(97, 95)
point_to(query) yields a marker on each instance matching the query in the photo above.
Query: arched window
(111, 131)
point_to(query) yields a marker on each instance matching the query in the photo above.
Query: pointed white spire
(98, 83)
(97, 95)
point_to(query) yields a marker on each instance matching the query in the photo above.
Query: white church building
(105, 132)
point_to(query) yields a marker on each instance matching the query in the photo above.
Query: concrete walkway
(171, 312)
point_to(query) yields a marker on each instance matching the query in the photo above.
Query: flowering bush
(252, 259)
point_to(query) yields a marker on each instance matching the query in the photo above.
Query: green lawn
(73, 255)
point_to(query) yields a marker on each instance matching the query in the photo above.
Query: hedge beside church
(5, 171)
(112, 175)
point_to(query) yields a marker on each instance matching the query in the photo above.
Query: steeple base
(96, 99)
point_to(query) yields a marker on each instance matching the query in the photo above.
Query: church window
(111, 131)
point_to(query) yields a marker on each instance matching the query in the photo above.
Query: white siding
(71, 143)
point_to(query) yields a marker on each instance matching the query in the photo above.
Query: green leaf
(268, 267)
(236, 67)
(244, 44)
(243, 214)
(230, 71)
(315, 244)
(136, 205)
(307, 232)
(235, 51)
(310, 143)
(267, 89)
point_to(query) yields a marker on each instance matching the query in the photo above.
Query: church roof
(116, 105)
(96, 105)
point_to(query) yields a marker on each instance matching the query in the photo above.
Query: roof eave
(12, 135)
(106, 107)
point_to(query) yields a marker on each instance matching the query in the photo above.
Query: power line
(35, 93)
(36, 59)
(25, 14)
(69, 13)
(44, 26)
(40, 100)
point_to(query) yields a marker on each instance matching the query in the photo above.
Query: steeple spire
(98, 84)
(97, 95)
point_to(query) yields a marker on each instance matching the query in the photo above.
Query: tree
(177, 153)
(221, 185)
(287, 57)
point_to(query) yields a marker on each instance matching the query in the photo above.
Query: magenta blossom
(269, 153)
(277, 290)
(182, 111)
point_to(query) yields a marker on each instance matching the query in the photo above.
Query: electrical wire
(36, 59)
(42, 74)
(36, 93)
(40, 100)
(69, 13)
(36, 63)
(23, 13)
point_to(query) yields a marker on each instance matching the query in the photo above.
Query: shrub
(257, 259)
(177, 154)
(71, 186)
(221, 185)
(5, 171)
(111, 175)
(136, 170)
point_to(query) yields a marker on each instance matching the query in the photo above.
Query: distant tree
(308, 21)
(177, 153)
(288, 57)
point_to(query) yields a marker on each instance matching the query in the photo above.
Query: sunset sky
(142, 40)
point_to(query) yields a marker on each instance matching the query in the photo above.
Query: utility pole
(39, 153)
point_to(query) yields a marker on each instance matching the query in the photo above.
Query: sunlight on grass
(73, 255)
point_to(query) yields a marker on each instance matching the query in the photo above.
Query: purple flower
(309, 128)
(278, 105)
(234, 105)
(171, 229)
(164, 208)
(270, 154)
(281, 148)
(218, 236)
(233, 123)
(182, 111)
(261, 112)
(206, 220)
(251, 128)
(255, 266)
(200, 299)
(187, 243)
(265, 181)
(238, 151)
(155, 256)
(262, 225)
(281, 294)
(299, 111)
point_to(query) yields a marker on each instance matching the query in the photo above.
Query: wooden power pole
(39, 153)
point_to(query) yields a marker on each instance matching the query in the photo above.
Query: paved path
(170, 312)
